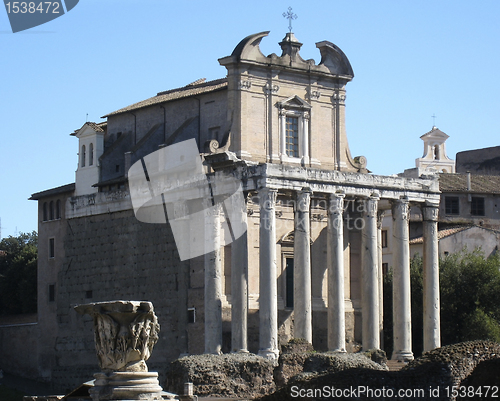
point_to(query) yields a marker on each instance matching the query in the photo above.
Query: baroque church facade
(307, 266)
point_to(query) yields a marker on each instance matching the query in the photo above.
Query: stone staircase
(394, 365)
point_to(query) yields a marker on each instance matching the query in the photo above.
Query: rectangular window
(477, 206)
(88, 294)
(191, 315)
(52, 292)
(385, 268)
(451, 205)
(384, 238)
(292, 136)
(289, 283)
(52, 250)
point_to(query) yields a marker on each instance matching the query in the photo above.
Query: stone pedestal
(126, 386)
(125, 333)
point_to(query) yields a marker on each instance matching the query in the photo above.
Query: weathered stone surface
(125, 333)
(439, 369)
(457, 360)
(228, 375)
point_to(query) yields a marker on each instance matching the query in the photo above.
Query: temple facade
(309, 263)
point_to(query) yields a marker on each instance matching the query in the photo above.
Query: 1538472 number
(32, 7)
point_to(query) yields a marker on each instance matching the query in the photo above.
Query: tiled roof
(484, 184)
(53, 191)
(442, 234)
(98, 127)
(195, 88)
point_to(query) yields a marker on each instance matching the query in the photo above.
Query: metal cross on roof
(290, 16)
(433, 120)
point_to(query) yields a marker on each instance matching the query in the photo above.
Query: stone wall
(114, 256)
(18, 349)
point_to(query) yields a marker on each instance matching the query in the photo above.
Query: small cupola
(90, 148)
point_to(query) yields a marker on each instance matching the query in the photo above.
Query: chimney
(468, 182)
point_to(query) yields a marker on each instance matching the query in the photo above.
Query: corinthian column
(432, 328)
(239, 288)
(268, 294)
(302, 303)
(335, 249)
(401, 294)
(213, 281)
(369, 260)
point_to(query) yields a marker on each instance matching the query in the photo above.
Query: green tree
(18, 274)
(470, 299)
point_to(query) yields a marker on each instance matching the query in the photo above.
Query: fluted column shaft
(302, 303)
(268, 295)
(335, 249)
(213, 281)
(432, 328)
(401, 295)
(370, 289)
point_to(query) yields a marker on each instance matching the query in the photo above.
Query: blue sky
(411, 59)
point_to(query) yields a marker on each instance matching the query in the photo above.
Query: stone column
(239, 288)
(401, 294)
(302, 297)
(268, 294)
(380, 218)
(213, 280)
(181, 216)
(369, 260)
(335, 249)
(432, 329)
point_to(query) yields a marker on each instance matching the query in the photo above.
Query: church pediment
(294, 102)
(435, 133)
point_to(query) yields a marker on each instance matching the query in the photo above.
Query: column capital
(371, 205)
(401, 208)
(430, 212)
(336, 204)
(267, 198)
(304, 200)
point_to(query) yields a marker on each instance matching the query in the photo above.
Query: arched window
(58, 209)
(91, 154)
(82, 156)
(45, 211)
(51, 210)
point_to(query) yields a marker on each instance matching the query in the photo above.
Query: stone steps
(395, 365)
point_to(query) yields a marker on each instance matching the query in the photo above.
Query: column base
(126, 386)
(338, 350)
(402, 356)
(270, 354)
